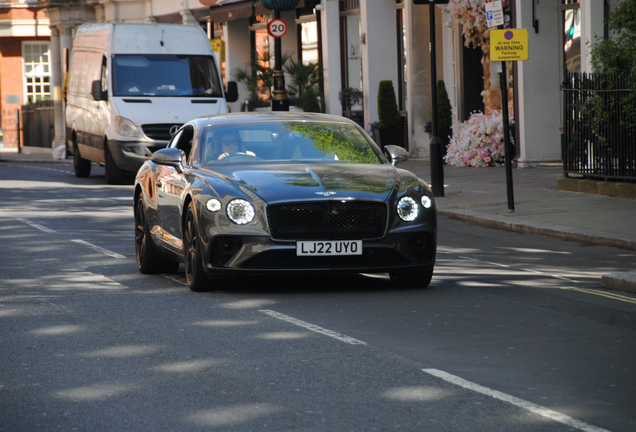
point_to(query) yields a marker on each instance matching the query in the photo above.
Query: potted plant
(310, 101)
(388, 130)
(444, 116)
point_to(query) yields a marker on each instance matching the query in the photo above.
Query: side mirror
(169, 157)
(231, 95)
(97, 92)
(396, 154)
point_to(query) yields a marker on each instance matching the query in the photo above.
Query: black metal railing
(599, 126)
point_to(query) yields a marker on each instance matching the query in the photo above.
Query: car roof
(244, 117)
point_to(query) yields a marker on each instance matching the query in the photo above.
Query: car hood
(275, 183)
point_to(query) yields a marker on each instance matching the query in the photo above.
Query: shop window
(37, 71)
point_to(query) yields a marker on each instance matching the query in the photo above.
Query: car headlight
(126, 128)
(214, 205)
(407, 209)
(427, 202)
(240, 212)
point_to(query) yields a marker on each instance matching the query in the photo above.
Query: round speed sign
(277, 28)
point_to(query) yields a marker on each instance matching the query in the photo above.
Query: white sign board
(494, 14)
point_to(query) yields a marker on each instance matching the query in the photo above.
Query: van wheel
(81, 166)
(114, 175)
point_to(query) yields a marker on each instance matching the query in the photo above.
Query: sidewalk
(478, 195)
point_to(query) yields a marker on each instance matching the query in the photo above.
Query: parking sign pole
(435, 145)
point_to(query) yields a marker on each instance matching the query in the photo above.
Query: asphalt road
(515, 332)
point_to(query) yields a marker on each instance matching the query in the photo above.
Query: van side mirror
(231, 95)
(97, 92)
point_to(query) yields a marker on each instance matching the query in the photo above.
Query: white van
(130, 85)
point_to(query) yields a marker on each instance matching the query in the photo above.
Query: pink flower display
(471, 14)
(477, 142)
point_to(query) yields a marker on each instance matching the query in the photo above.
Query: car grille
(159, 131)
(287, 259)
(327, 220)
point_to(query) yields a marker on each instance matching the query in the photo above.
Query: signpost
(277, 29)
(505, 45)
(436, 147)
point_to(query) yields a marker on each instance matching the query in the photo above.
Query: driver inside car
(231, 143)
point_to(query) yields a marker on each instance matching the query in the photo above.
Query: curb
(38, 161)
(625, 281)
(613, 189)
(545, 231)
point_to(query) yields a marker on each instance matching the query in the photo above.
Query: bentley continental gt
(280, 193)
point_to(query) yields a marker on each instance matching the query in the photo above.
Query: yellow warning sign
(509, 45)
(218, 46)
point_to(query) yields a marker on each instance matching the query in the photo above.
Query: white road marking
(529, 406)
(37, 226)
(508, 266)
(313, 328)
(99, 249)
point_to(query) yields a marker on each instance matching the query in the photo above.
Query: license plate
(331, 247)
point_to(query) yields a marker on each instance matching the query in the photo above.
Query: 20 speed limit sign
(277, 28)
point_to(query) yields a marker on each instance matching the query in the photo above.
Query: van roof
(142, 38)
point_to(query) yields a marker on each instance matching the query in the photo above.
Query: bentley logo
(329, 193)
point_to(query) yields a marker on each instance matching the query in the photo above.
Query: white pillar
(592, 28)
(237, 54)
(330, 33)
(378, 50)
(539, 80)
(56, 80)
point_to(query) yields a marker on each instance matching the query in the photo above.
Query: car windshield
(165, 75)
(287, 142)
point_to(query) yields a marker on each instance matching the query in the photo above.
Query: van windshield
(165, 75)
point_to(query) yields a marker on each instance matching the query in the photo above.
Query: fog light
(214, 205)
(426, 202)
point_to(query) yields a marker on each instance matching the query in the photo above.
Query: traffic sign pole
(278, 28)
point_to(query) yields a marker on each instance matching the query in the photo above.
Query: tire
(195, 275)
(148, 260)
(81, 166)
(114, 175)
(421, 279)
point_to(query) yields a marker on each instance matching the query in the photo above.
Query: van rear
(151, 78)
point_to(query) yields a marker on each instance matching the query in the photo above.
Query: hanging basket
(280, 5)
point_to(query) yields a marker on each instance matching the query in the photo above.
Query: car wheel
(81, 166)
(114, 175)
(148, 260)
(195, 275)
(421, 279)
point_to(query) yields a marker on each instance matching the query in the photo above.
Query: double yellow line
(603, 294)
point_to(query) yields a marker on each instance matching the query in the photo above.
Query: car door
(170, 184)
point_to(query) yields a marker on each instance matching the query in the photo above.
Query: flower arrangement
(471, 15)
(478, 142)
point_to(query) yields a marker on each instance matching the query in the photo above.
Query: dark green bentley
(238, 194)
